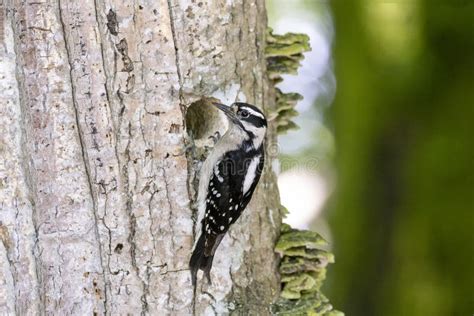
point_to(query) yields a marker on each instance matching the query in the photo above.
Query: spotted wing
(230, 189)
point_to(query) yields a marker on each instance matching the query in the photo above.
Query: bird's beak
(228, 112)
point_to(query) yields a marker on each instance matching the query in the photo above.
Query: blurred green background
(395, 148)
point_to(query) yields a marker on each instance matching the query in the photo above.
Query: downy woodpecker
(227, 181)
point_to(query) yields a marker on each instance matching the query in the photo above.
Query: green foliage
(403, 116)
(284, 54)
(303, 270)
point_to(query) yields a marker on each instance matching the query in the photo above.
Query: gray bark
(96, 184)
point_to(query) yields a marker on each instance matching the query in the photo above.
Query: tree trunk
(100, 121)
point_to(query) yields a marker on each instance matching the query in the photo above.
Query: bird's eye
(243, 113)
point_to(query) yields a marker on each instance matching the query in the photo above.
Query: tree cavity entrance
(203, 120)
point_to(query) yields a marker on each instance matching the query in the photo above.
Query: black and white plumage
(228, 179)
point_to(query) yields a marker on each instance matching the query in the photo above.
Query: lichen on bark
(303, 260)
(303, 271)
(284, 55)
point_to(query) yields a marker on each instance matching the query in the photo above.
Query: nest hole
(203, 120)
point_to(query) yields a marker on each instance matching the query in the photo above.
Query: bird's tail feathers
(203, 255)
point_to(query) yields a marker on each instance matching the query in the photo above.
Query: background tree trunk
(403, 212)
(96, 188)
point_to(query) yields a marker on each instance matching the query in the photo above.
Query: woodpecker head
(248, 119)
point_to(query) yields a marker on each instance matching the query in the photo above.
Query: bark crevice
(37, 300)
(85, 158)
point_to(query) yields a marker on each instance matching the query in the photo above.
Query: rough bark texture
(96, 184)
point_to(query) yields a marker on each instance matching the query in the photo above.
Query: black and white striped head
(247, 118)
